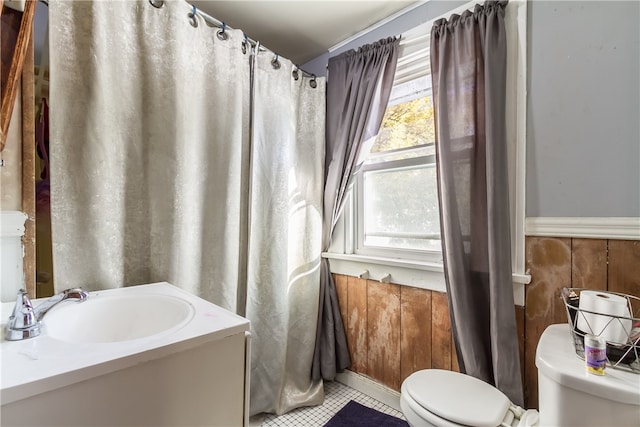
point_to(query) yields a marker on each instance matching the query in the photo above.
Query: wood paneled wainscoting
(554, 263)
(394, 330)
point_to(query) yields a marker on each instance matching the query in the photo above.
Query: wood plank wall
(555, 263)
(10, 20)
(393, 330)
(28, 171)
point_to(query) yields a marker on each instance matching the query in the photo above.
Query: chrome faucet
(25, 321)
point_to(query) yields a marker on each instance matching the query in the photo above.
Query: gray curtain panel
(468, 65)
(358, 89)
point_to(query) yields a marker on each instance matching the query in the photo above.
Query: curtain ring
(192, 17)
(275, 63)
(222, 35)
(156, 3)
(295, 73)
(245, 42)
(313, 82)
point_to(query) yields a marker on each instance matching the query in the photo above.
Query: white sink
(104, 318)
(120, 358)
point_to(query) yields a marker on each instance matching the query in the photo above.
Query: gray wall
(583, 139)
(413, 18)
(40, 25)
(583, 96)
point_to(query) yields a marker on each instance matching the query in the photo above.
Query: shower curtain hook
(295, 73)
(245, 42)
(192, 17)
(313, 82)
(222, 35)
(275, 63)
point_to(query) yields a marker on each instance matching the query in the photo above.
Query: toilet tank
(11, 261)
(570, 396)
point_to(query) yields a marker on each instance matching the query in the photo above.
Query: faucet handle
(23, 321)
(23, 314)
(22, 300)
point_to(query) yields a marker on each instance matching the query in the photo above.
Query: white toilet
(568, 395)
(434, 397)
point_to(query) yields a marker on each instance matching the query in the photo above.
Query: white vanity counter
(43, 365)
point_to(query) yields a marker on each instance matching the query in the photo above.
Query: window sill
(417, 274)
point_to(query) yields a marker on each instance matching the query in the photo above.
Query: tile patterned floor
(336, 396)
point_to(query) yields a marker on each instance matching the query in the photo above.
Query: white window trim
(430, 274)
(358, 232)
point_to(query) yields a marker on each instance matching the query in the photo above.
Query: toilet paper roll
(607, 323)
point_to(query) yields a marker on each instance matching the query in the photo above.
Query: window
(390, 224)
(397, 202)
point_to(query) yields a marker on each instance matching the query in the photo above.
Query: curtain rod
(220, 24)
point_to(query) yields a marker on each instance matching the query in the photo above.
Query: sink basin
(117, 318)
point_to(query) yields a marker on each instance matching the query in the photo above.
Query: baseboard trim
(617, 228)
(371, 388)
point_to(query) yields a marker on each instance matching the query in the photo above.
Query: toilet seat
(453, 399)
(410, 407)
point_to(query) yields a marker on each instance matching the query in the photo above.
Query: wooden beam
(415, 330)
(440, 332)
(10, 90)
(28, 171)
(356, 328)
(383, 333)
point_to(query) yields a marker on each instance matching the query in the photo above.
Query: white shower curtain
(155, 176)
(285, 234)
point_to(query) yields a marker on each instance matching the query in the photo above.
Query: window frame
(408, 87)
(425, 161)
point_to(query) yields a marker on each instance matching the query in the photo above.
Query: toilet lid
(457, 397)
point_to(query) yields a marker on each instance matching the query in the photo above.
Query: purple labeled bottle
(595, 354)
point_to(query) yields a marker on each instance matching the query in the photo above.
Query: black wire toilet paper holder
(620, 355)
